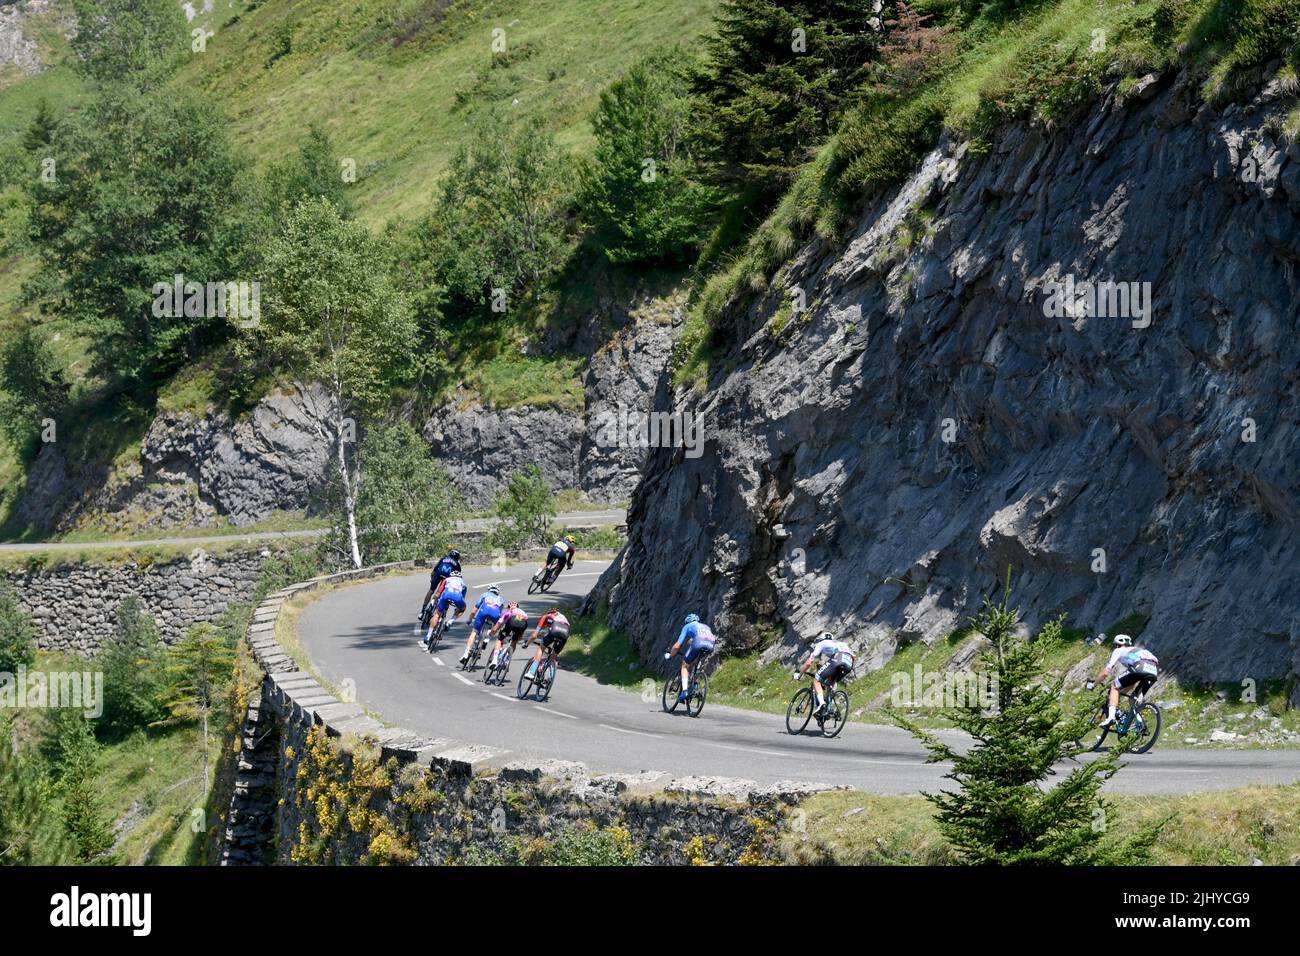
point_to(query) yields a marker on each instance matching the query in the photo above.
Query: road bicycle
(496, 670)
(542, 580)
(537, 679)
(1136, 726)
(438, 631)
(699, 688)
(803, 710)
(475, 652)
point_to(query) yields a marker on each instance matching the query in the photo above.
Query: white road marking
(624, 730)
(556, 712)
(583, 574)
(502, 696)
(438, 661)
(751, 750)
(462, 678)
(484, 587)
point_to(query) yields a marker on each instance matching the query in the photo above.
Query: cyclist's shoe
(463, 658)
(683, 696)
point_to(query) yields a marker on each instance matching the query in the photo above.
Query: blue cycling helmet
(692, 618)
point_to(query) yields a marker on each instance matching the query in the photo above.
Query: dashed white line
(462, 678)
(556, 712)
(502, 696)
(750, 750)
(484, 587)
(584, 574)
(438, 661)
(624, 730)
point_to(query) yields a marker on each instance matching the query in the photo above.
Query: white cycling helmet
(1123, 640)
(494, 589)
(823, 636)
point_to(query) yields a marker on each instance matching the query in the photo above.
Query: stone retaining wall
(349, 789)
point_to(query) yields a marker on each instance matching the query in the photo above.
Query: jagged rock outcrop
(876, 466)
(482, 446)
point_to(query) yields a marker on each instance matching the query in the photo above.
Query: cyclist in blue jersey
(487, 613)
(1136, 669)
(698, 639)
(450, 564)
(451, 593)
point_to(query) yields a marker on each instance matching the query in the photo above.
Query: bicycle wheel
(1095, 736)
(1146, 727)
(548, 681)
(699, 693)
(533, 585)
(489, 671)
(437, 635)
(503, 668)
(837, 714)
(672, 690)
(525, 682)
(800, 710)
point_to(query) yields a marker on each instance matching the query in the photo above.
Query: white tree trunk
(349, 496)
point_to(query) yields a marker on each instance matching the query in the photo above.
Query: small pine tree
(525, 508)
(1000, 813)
(84, 816)
(17, 633)
(199, 668)
(131, 660)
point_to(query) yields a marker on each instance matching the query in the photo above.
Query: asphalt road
(580, 518)
(367, 633)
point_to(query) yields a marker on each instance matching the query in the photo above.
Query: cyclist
(562, 551)
(700, 640)
(451, 593)
(487, 611)
(450, 564)
(1138, 670)
(839, 664)
(512, 624)
(551, 634)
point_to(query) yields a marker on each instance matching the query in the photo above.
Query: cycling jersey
(1134, 659)
(489, 610)
(836, 651)
(553, 622)
(699, 634)
(443, 569)
(514, 620)
(562, 551)
(452, 591)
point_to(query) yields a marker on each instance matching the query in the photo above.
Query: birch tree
(335, 317)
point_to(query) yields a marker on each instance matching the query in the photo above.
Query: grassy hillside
(395, 83)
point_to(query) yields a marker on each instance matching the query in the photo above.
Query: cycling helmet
(569, 538)
(454, 554)
(494, 589)
(692, 618)
(512, 605)
(1123, 640)
(823, 636)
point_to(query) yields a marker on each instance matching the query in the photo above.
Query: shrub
(525, 507)
(17, 632)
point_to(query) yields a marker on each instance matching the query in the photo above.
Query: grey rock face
(875, 468)
(483, 446)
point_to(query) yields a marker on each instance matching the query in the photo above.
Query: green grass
(1228, 828)
(511, 379)
(397, 98)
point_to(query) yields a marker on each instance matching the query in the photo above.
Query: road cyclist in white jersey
(1135, 669)
(836, 662)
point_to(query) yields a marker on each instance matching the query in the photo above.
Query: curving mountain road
(366, 633)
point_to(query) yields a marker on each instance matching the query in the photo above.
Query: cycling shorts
(557, 554)
(834, 670)
(554, 638)
(696, 651)
(486, 616)
(450, 599)
(1136, 679)
(514, 628)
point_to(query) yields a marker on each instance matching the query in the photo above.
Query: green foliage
(33, 387)
(146, 186)
(571, 846)
(17, 632)
(642, 192)
(198, 671)
(84, 816)
(502, 219)
(31, 832)
(1238, 34)
(766, 105)
(314, 173)
(333, 315)
(138, 42)
(526, 507)
(131, 660)
(1001, 813)
(406, 504)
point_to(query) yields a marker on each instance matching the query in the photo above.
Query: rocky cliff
(957, 399)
